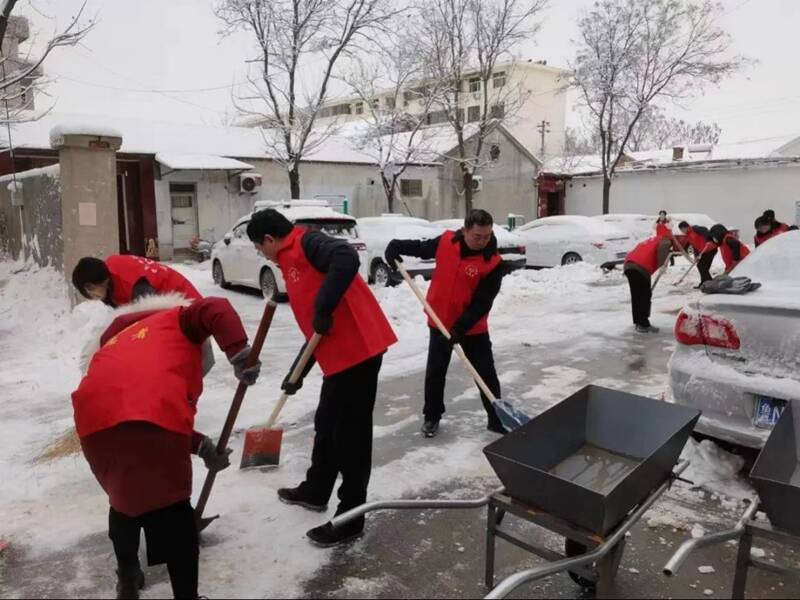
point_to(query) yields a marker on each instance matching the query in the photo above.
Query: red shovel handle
(238, 398)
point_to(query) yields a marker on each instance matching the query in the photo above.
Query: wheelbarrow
(776, 477)
(587, 469)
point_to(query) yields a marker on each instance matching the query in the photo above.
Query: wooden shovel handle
(435, 318)
(294, 377)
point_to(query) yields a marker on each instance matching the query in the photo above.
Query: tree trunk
(606, 194)
(294, 182)
(388, 190)
(467, 192)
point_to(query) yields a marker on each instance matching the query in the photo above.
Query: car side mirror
(227, 240)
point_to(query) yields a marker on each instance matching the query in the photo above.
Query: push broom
(510, 417)
(238, 398)
(262, 446)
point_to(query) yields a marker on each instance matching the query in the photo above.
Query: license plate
(768, 411)
(622, 254)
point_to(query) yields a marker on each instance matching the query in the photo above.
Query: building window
(181, 188)
(411, 188)
(499, 79)
(474, 114)
(475, 84)
(390, 102)
(376, 103)
(498, 111)
(359, 108)
(437, 117)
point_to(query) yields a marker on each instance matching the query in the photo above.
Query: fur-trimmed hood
(150, 303)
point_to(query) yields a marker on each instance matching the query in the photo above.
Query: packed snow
(51, 501)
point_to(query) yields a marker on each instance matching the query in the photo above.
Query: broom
(262, 446)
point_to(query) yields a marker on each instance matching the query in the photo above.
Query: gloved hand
(322, 323)
(248, 375)
(214, 460)
(291, 388)
(457, 335)
(392, 255)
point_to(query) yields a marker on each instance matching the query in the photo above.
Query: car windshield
(334, 227)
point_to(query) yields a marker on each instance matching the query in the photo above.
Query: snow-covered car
(510, 246)
(563, 240)
(377, 232)
(639, 227)
(738, 357)
(235, 261)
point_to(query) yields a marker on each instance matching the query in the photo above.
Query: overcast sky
(174, 48)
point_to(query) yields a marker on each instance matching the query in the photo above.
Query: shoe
(325, 536)
(294, 496)
(496, 428)
(129, 581)
(647, 329)
(430, 428)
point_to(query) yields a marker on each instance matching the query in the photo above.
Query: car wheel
(381, 275)
(219, 275)
(570, 258)
(269, 287)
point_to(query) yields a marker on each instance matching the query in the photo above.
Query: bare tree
(387, 132)
(629, 53)
(466, 40)
(289, 35)
(20, 77)
(656, 131)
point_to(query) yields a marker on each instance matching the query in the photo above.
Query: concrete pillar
(88, 193)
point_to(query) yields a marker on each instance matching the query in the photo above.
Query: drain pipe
(689, 546)
(360, 511)
(508, 585)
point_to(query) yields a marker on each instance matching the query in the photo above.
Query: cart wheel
(573, 549)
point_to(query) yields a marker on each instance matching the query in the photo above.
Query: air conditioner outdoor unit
(249, 184)
(477, 183)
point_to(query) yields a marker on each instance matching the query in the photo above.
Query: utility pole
(544, 128)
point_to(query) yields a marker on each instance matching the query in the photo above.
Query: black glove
(322, 323)
(457, 335)
(291, 388)
(214, 461)
(392, 255)
(247, 375)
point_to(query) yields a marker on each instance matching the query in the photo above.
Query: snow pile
(715, 470)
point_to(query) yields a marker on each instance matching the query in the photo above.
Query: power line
(151, 90)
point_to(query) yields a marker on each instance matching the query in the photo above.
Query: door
(184, 215)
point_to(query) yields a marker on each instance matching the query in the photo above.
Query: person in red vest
(732, 250)
(120, 279)
(705, 250)
(663, 225)
(641, 264)
(467, 279)
(134, 415)
(329, 297)
(767, 227)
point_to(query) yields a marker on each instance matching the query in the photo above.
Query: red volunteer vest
(697, 241)
(760, 239)
(645, 254)
(454, 282)
(360, 330)
(663, 230)
(727, 254)
(127, 270)
(148, 372)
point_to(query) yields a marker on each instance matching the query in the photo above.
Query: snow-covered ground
(50, 502)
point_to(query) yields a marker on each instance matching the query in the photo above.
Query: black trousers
(641, 296)
(171, 535)
(478, 349)
(704, 266)
(343, 436)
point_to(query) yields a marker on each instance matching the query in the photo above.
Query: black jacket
(488, 288)
(338, 260)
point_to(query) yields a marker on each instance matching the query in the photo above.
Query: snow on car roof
(504, 237)
(589, 224)
(777, 261)
(300, 210)
(624, 217)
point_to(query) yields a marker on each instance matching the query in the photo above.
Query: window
(437, 117)
(376, 103)
(240, 231)
(181, 188)
(182, 201)
(474, 114)
(359, 108)
(390, 102)
(498, 111)
(475, 84)
(411, 187)
(499, 79)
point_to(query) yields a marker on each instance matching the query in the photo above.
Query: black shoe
(647, 329)
(295, 497)
(496, 428)
(129, 581)
(430, 428)
(326, 536)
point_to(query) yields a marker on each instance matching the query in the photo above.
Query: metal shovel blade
(511, 418)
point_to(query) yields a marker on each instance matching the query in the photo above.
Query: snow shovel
(689, 270)
(262, 446)
(510, 417)
(662, 270)
(238, 398)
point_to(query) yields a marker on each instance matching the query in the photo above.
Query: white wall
(734, 196)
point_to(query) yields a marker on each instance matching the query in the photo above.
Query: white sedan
(563, 240)
(738, 357)
(510, 246)
(639, 227)
(234, 260)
